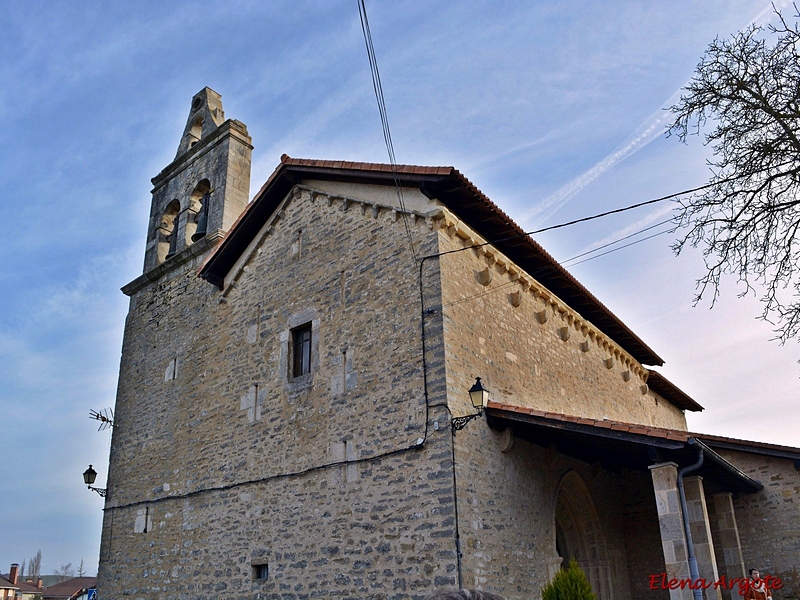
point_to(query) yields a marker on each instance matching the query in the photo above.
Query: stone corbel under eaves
(454, 227)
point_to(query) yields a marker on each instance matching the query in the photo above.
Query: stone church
(292, 376)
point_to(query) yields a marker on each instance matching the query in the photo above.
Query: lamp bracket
(101, 491)
(458, 423)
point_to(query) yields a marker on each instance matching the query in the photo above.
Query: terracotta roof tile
(720, 438)
(67, 588)
(648, 430)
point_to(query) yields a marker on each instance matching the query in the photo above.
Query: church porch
(638, 543)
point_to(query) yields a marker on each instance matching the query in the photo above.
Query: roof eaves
(464, 198)
(713, 441)
(670, 392)
(289, 172)
(513, 241)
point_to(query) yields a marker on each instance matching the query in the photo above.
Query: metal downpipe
(694, 572)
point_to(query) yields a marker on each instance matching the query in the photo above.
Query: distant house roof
(5, 584)
(457, 193)
(49, 580)
(29, 587)
(633, 445)
(71, 588)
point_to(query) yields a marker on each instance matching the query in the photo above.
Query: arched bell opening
(167, 232)
(197, 221)
(579, 534)
(196, 131)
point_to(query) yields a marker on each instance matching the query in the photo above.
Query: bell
(202, 219)
(173, 239)
(202, 225)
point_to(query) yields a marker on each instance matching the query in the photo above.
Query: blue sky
(522, 97)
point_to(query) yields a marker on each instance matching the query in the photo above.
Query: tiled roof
(462, 197)
(25, 586)
(365, 166)
(650, 431)
(68, 588)
(669, 391)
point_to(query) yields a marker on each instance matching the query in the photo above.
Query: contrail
(651, 129)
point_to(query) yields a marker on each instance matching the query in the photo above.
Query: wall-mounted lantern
(479, 396)
(89, 477)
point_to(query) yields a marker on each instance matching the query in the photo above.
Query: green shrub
(569, 584)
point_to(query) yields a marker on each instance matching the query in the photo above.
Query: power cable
(387, 134)
(617, 241)
(625, 246)
(576, 221)
(546, 270)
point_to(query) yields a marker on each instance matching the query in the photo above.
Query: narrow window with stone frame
(261, 571)
(301, 350)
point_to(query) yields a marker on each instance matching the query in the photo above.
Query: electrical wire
(387, 134)
(546, 270)
(576, 221)
(617, 241)
(625, 246)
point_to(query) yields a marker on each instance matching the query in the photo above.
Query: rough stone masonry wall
(530, 350)
(221, 461)
(506, 509)
(319, 536)
(769, 520)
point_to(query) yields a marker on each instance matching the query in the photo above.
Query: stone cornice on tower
(236, 129)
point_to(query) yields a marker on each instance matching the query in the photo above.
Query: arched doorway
(579, 535)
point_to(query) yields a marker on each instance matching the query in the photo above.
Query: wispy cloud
(648, 131)
(651, 129)
(648, 220)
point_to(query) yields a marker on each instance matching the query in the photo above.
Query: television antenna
(105, 416)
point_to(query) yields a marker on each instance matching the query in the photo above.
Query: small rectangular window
(261, 571)
(301, 350)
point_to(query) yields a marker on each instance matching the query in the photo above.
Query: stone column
(701, 534)
(670, 522)
(730, 550)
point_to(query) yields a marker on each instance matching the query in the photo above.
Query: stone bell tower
(204, 190)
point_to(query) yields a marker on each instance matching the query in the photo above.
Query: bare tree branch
(745, 97)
